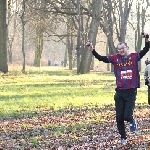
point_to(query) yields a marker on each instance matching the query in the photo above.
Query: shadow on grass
(52, 72)
(20, 92)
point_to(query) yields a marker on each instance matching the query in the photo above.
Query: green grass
(53, 88)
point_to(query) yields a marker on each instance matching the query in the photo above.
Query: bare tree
(3, 38)
(114, 21)
(12, 27)
(141, 18)
(75, 10)
(23, 33)
(92, 34)
(83, 18)
(38, 18)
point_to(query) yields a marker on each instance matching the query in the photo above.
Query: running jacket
(125, 69)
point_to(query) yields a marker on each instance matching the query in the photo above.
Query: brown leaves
(86, 127)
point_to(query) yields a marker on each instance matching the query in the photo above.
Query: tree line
(37, 19)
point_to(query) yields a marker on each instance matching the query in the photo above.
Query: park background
(41, 33)
(67, 105)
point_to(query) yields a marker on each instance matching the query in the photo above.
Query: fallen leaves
(85, 127)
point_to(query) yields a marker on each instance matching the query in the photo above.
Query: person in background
(147, 80)
(96, 68)
(147, 62)
(127, 81)
(49, 62)
(62, 63)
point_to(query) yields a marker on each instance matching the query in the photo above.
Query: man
(147, 80)
(127, 81)
(146, 62)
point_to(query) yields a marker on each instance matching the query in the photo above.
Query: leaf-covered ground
(73, 128)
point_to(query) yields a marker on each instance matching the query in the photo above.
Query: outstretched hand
(89, 44)
(145, 35)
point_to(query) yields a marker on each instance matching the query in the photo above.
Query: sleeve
(145, 50)
(99, 57)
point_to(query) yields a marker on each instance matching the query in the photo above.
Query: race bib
(126, 74)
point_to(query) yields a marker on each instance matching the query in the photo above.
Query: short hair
(122, 43)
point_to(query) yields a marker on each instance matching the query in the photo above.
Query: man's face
(123, 49)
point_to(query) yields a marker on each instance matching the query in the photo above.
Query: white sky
(147, 24)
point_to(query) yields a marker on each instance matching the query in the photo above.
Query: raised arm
(146, 48)
(99, 57)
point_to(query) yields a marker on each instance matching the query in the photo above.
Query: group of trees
(82, 19)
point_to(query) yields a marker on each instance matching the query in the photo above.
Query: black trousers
(124, 103)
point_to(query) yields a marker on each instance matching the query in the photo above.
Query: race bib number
(126, 74)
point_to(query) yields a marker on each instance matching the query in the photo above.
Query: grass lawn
(57, 103)
(53, 88)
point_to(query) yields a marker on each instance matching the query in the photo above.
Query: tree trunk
(86, 57)
(3, 37)
(69, 42)
(23, 25)
(10, 41)
(78, 48)
(38, 52)
(65, 58)
(92, 64)
(107, 53)
(70, 48)
(23, 52)
(140, 27)
(70, 55)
